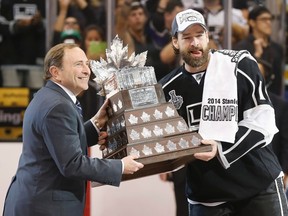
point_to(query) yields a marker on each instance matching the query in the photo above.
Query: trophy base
(162, 154)
(166, 162)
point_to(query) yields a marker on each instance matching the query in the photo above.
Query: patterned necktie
(79, 108)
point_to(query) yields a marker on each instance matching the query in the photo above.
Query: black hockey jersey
(243, 168)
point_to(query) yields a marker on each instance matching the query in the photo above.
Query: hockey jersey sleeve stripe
(252, 84)
(228, 157)
(261, 119)
(221, 157)
(257, 144)
(237, 142)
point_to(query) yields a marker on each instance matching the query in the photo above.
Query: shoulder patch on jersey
(177, 101)
(234, 54)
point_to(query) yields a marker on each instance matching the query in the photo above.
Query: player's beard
(195, 61)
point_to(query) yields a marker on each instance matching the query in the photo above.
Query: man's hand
(165, 176)
(101, 117)
(130, 165)
(64, 4)
(102, 140)
(206, 156)
(259, 45)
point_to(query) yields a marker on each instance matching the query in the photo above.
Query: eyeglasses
(265, 19)
(70, 23)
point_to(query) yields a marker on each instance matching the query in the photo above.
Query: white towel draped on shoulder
(219, 113)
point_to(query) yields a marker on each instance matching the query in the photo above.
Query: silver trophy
(141, 122)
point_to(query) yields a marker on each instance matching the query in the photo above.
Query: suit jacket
(54, 166)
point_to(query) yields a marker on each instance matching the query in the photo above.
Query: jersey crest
(177, 101)
(193, 116)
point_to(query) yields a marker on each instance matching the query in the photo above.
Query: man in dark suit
(54, 166)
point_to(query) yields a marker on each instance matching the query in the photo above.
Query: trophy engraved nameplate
(141, 122)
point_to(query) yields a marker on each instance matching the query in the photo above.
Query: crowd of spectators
(143, 25)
